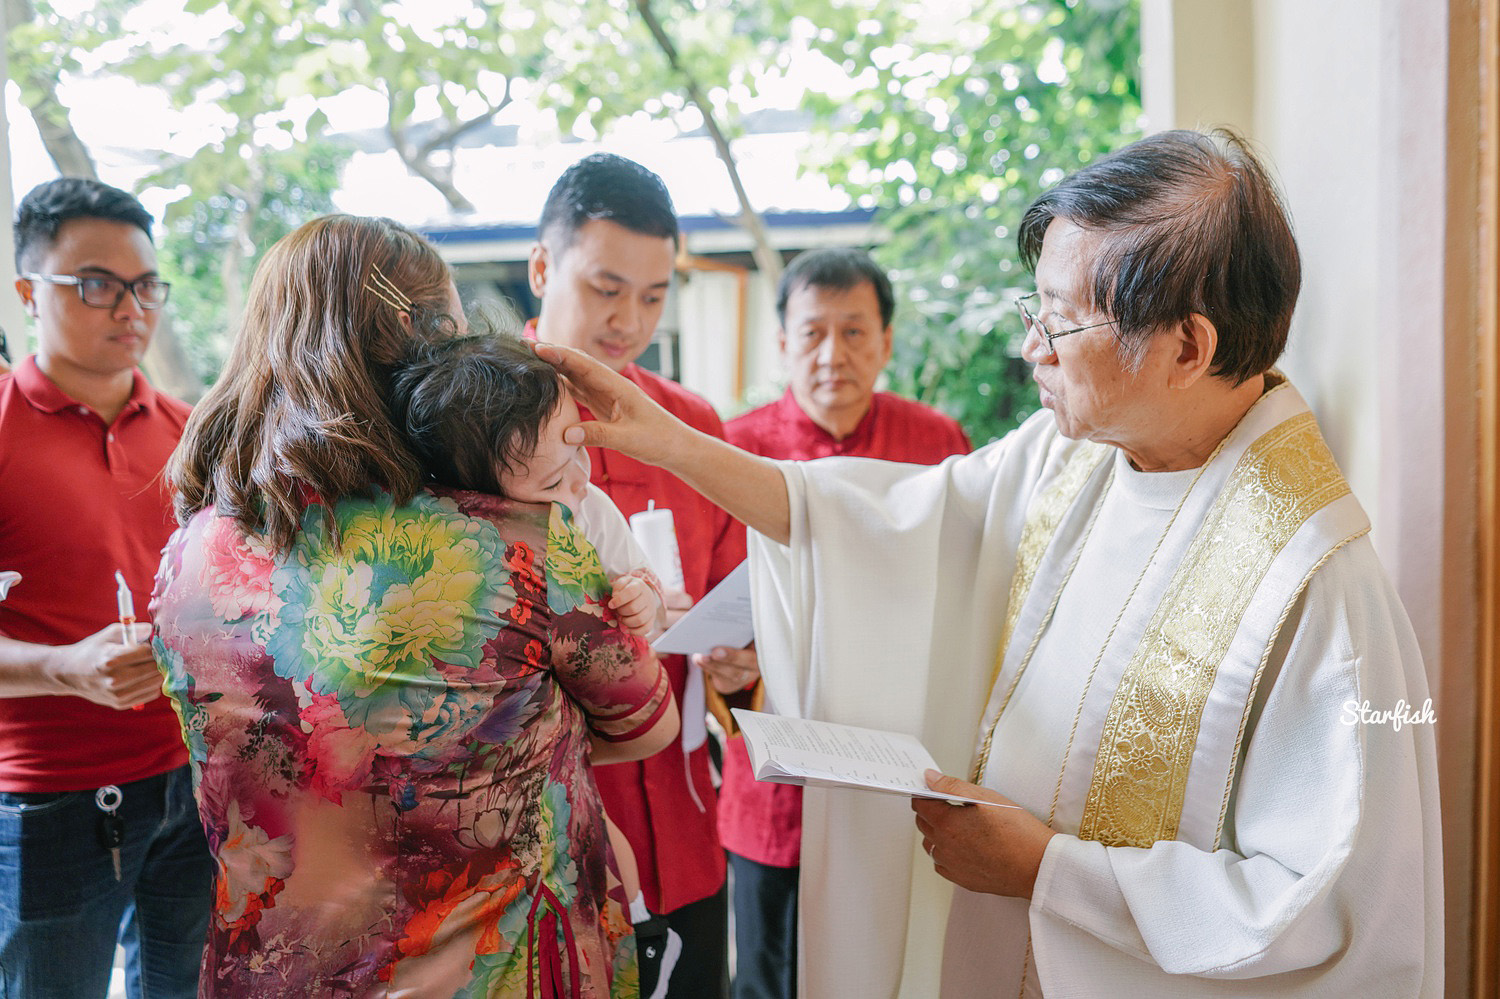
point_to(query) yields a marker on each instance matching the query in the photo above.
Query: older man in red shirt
(601, 266)
(835, 307)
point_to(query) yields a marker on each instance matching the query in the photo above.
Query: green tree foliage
(42, 48)
(266, 69)
(947, 116)
(956, 124)
(610, 67)
(442, 72)
(199, 232)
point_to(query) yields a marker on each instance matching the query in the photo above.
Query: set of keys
(111, 826)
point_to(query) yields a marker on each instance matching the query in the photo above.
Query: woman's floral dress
(390, 744)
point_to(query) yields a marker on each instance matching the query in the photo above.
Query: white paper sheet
(722, 617)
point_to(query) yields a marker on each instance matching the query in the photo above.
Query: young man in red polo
(99, 835)
(601, 267)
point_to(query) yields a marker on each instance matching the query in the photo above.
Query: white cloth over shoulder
(598, 519)
(1316, 872)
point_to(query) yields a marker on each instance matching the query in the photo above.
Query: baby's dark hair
(473, 405)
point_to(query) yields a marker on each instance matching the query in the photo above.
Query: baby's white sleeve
(606, 528)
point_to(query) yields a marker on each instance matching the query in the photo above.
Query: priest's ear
(1197, 340)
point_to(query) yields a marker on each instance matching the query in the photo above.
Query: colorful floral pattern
(389, 728)
(576, 573)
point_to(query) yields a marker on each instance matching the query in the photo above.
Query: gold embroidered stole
(1150, 734)
(1042, 522)
(1151, 731)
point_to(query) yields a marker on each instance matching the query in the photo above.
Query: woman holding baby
(391, 691)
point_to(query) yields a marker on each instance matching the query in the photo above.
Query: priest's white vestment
(1203, 679)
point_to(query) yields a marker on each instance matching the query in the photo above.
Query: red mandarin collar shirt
(79, 500)
(893, 429)
(758, 820)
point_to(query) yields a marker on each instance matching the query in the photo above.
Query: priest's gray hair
(1191, 223)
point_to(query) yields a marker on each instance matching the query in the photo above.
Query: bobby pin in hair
(381, 287)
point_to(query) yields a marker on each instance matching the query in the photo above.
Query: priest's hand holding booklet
(822, 754)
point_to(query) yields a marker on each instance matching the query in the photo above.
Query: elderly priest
(1140, 617)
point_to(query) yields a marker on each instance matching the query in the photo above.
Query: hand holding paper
(997, 851)
(729, 670)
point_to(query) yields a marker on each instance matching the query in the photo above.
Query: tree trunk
(234, 268)
(767, 258)
(419, 162)
(62, 143)
(167, 365)
(236, 258)
(58, 138)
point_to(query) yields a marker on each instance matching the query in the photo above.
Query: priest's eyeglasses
(1035, 325)
(102, 292)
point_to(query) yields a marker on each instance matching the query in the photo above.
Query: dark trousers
(765, 930)
(702, 971)
(62, 908)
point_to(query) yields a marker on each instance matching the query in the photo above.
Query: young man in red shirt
(601, 266)
(99, 835)
(835, 308)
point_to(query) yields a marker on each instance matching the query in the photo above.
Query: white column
(706, 313)
(1364, 109)
(1198, 64)
(12, 316)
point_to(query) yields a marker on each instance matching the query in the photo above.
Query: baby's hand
(636, 604)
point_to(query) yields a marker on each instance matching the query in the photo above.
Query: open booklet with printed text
(798, 751)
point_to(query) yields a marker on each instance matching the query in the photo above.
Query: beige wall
(1310, 110)
(705, 303)
(1361, 108)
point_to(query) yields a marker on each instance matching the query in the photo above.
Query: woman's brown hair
(300, 408)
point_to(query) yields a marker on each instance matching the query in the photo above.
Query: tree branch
(458, 131)
(766, 256)
(422, 166)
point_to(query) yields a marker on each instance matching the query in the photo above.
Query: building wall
(705, 312)
(711, 338)
(1309, 107)
(1315, 117)
(1353, 101)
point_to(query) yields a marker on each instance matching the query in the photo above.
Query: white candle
(656, 533)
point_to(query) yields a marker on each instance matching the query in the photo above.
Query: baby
(484, 413)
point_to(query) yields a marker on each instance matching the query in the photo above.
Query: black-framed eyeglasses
(102, 292)
(1035, 325)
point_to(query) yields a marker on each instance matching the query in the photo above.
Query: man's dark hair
(1190, 223)
(837, 268)
(47, 206)
(471, 405)
(606, 186)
